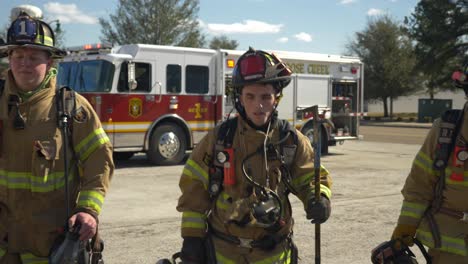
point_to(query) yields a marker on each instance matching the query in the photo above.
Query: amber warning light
(95, 46)
(230, 63)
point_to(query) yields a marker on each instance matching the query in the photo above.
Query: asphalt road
(140, 224)
(395, 134)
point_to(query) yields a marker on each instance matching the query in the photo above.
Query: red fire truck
(161, 100)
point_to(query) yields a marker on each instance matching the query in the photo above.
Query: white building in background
(409, 104)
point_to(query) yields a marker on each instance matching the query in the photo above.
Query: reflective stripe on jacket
(195, 201)
(32, 177)
(418, 193)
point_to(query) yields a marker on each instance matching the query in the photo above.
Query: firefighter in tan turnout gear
(435, 205)
(32, 193)
(235, 185)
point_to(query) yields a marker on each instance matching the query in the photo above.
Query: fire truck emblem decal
(198, 110)
(135, 107)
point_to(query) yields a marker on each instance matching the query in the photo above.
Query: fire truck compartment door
(313, 90)
(305, 90)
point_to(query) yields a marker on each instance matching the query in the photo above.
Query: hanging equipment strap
(449, 129)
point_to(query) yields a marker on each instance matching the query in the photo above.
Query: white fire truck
(161, 100)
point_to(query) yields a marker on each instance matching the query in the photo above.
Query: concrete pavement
(395, 124)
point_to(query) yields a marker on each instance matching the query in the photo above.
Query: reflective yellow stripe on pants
(29, 258)
(449, 244)
(281, 258)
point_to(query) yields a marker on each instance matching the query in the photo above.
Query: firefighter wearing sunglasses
(32, 158)
(235, 185)
(435, 204)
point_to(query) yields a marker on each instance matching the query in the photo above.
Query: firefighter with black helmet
(235, 185)
(32, 157)
(435, 204)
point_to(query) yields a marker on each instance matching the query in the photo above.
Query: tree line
(160, 22)
(400, 58)
(418, 54)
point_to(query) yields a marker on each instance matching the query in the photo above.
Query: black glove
(193, 250)
(318, 211)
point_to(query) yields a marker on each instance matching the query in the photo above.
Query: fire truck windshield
(86, 76)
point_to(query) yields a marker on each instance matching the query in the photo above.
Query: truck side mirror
(132, 83)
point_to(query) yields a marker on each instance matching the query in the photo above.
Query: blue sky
(320, 26)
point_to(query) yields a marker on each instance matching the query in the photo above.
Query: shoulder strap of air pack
(226, 132)
(2, 86)
(66, 103)
(449, 127)
(285, 128)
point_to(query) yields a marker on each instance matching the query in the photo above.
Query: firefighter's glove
(318, 211)
(193, 250)
(404, 234)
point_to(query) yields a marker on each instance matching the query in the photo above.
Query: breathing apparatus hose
(263, 189)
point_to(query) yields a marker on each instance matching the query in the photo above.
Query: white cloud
(374, 12)
(247, 26)
(68, 13)
(346, 2)
(303, 37)
(283, 40)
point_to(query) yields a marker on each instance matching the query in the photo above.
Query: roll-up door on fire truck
(305, 90)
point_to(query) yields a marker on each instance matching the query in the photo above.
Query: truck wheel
(308, 131)
(123, 155)
(167, 145)
(324, 145)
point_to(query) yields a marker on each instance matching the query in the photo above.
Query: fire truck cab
(162, 100)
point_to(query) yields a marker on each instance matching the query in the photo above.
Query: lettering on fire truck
(309, 68)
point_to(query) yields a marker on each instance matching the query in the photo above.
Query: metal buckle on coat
(245, 242)
(465, 217)
(462, 216)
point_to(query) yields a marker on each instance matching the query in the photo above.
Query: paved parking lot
(140, 223)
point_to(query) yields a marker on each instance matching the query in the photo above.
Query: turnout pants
(441, 257)
(227, 253)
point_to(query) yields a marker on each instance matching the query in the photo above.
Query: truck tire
(324, 146)
(167, 145)
(308, 131)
